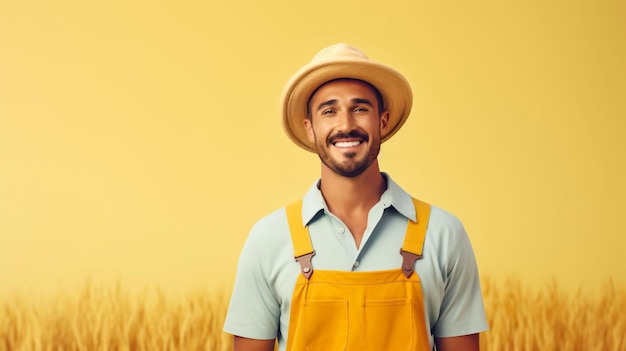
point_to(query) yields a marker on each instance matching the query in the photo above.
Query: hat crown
(340, 50)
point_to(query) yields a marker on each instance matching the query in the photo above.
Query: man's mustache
(355, 134)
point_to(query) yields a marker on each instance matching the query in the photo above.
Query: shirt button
(341, 230)
(355, 264)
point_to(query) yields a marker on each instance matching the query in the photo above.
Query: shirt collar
(313, 201)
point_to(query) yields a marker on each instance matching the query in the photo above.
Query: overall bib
(376, 311)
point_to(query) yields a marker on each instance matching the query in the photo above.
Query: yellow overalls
(375, 311)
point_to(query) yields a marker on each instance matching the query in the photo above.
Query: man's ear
(308, 126)
(384, 122)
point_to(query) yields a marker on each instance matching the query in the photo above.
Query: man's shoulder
(444, 218)
(446, 231)
(276, 219)
(270, 235)
(439, 217)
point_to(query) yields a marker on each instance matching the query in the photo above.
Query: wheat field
(110, 318)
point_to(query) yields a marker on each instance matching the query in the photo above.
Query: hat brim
(394, 88)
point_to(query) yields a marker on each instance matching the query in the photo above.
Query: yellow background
(140, 141)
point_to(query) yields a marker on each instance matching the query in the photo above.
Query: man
(357, 264)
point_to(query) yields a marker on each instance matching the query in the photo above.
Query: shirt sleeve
(254, 310)
(462, 310)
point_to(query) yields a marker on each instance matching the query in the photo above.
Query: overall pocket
(325, 324)
(389, 324)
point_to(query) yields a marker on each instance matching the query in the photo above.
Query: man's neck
(346, 194)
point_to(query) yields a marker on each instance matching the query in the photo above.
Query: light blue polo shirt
(267, 272)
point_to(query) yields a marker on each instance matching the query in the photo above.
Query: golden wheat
(109, 318)
(551, 319)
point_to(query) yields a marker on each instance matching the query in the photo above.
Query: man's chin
(350, 170)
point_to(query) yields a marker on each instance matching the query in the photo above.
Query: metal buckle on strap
(408, 262)
(305, 264)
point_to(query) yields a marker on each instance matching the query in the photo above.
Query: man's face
(345, 126)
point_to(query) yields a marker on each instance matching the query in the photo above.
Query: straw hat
(343, 61)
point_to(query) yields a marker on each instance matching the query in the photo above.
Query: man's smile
(346, 144)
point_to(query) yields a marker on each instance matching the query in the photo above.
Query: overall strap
(302, 247)
(413, 245)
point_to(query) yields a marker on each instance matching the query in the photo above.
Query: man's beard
(350, 167)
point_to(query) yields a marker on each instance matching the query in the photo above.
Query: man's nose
(345, 121)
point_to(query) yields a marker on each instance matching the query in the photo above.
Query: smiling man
(357, 263)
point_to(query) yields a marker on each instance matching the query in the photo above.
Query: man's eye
(328, 111)
(360, 109)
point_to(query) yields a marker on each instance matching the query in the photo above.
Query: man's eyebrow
(326, 103)
(362, 101)
(354, 101)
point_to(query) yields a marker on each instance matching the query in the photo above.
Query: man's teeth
(347, 143)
